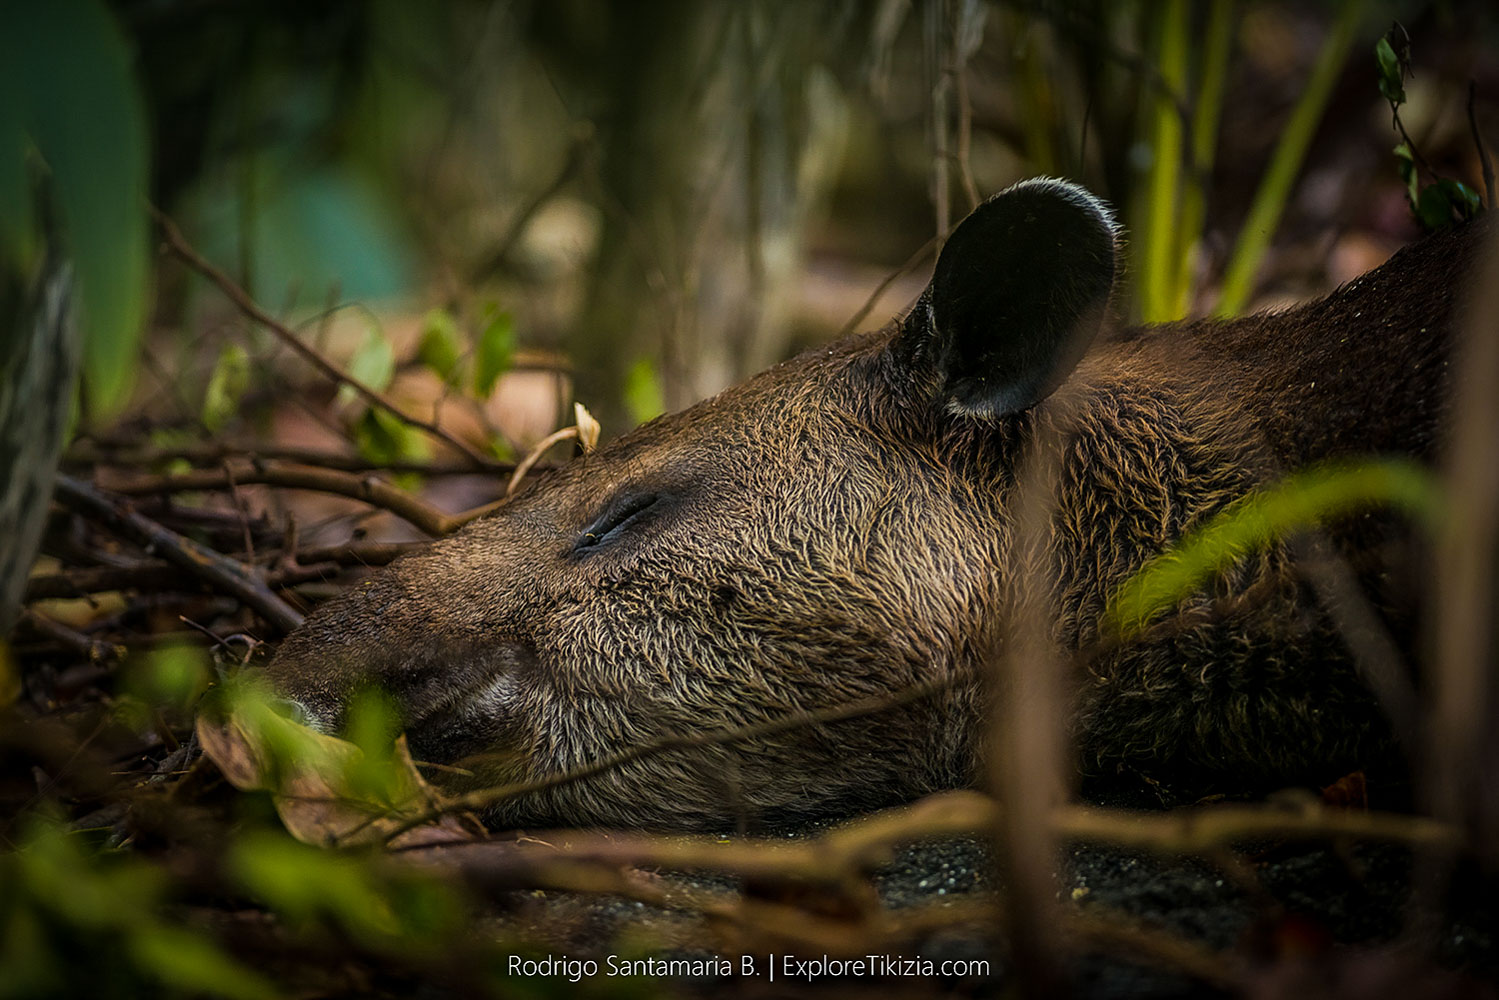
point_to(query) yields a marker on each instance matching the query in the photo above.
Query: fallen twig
(95, 650)
(222, 572)
(367, 488)
(131, 454)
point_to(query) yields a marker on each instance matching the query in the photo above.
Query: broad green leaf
(374, 364)
(495, 350)
(374, 723)
(1445, 202)
(304, 883)
(385, 908)
(643, 397)
(440, 345)
(67, 84)
(1304, 499)
(226, 386)
(31, 966)
(317, 781)
(1433, 209)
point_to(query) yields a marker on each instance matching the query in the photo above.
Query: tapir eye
(619, 514)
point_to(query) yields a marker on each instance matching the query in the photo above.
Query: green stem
(1205, 119)
(1275, 188)
(1161, 271)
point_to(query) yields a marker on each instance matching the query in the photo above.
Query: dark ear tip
(1051, 220)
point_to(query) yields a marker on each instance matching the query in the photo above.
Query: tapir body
(841, 528)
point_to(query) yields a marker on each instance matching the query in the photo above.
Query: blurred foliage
(77, 918)
(83, 914)
(73, 137)
(1313, 496)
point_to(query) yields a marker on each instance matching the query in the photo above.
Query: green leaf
(374, 722)
(384, 438)
(187, 961)
(374, 364)
(226, 386)
(305, 883)
(170, 677)
(439, 348)
(1464, 200)
(1445, 202)
(66, 82)
(643, 397)
(496, 349)
(1304, 499)
(1391, 73)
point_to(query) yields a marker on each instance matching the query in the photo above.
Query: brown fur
(822, 536)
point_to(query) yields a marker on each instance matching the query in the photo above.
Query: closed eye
(616, 517)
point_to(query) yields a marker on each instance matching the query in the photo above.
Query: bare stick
(107, 451)
(179, 246)
(525, 465)
(370, 489)
(222, 572)
(95, 650)
(865, 844)
(151, 574)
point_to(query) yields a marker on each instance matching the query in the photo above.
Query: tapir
(841, 528)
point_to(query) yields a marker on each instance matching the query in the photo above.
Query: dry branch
(130, 454)
(367, 488)
(221, 572)
(860, 846)
(151, 574)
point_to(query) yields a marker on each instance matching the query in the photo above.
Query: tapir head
(829, 532)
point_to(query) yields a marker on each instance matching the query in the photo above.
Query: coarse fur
(836, 529)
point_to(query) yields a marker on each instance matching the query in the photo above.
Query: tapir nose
(437, 671)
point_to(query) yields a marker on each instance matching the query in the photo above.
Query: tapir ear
(1020, 290)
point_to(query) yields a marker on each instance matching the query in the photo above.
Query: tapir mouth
(467, 707)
